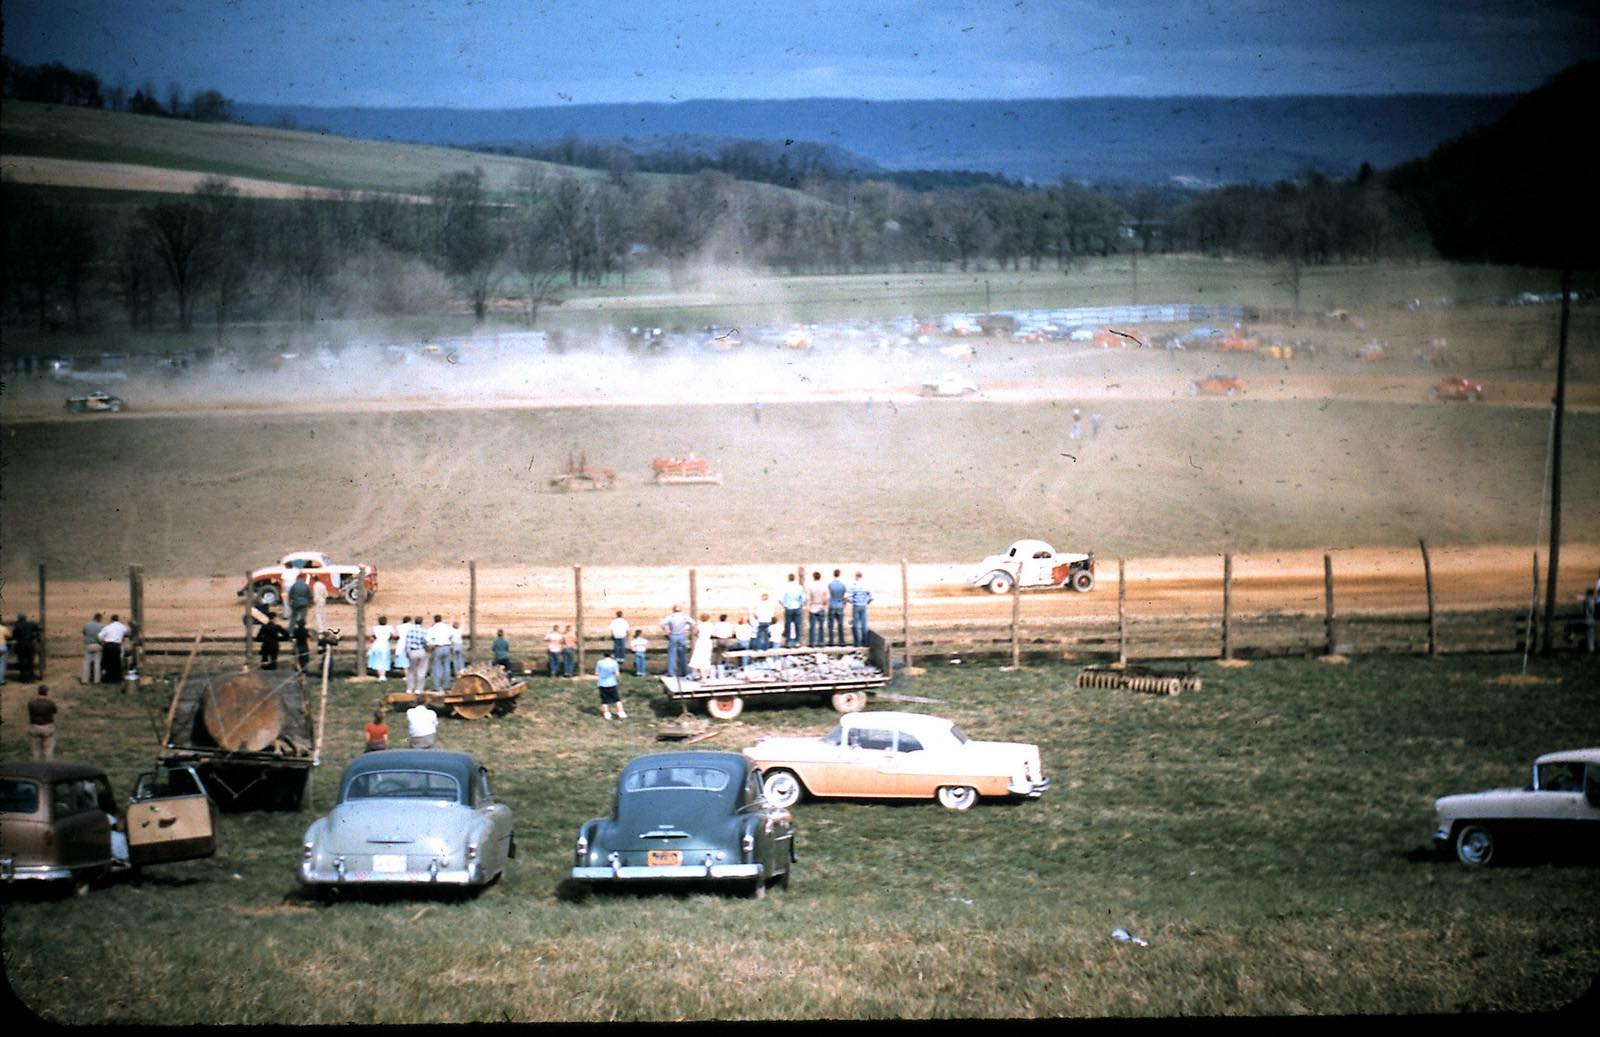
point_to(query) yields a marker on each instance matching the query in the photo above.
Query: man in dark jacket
(270, 636)
(25, 642)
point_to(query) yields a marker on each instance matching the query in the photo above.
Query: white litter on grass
(1127, 937)
(958, 900)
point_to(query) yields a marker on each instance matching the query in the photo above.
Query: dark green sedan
(688, 817)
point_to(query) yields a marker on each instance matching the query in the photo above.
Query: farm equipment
(843, 673)
(249, 733)
(1138, 678)
(476, 692)
(684, 470)
(579, 475)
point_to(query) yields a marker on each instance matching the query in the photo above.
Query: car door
(79, 826)
(170, 818)
(871, 769)
(1036, 569)
(905, 768)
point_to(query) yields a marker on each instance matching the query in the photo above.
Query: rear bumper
(471, 875)
(1031, 791)
(606, 873)
(11, 871)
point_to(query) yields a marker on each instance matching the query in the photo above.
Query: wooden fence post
(1016, 615)
(577, 594)
(472, 608)
(1227, 606)
(1327, 582)
(1122, 613)
(249, 603)
(130, 658)
(694, 597)
(44, 627)
(1531, 634)
(905, 611)
(1433, 618)
(361, 624)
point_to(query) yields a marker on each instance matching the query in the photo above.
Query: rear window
(402, 785)
(705, 779)
(18, 797)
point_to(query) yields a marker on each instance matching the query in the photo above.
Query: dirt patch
(269, 910)
(1522, 680)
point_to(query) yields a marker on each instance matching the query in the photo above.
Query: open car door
(171, 818)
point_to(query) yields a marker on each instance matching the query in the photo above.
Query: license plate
(663, 858)
(388, 862)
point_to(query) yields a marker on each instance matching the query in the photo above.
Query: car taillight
(472, 851)
(307, 851)
(748, 843)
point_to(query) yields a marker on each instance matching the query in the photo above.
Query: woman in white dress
(378, 652)
(700, 657)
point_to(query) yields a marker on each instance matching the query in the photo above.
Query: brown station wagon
(61, 822)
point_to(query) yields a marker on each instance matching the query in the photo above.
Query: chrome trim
(682, 871)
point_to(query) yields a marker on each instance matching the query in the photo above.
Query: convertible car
(417, 816)
(688, 816)
(897, 756)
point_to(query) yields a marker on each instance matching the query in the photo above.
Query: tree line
(54, 83)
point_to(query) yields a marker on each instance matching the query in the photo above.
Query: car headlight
(308, 851)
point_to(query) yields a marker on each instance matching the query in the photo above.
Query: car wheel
(115, 407)
(1194, 388)
(354, 593)
(999, 583)
(1474, 397)
(783, 880)
(725, 707)
(1231, 390)
(1433, 394)
(1474, 845)
(758, 889)
(1083, 581)
(782, 788)
(268, 597)
(849, 701)
(957, 797)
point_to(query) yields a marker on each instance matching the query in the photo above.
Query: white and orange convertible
(896, 756)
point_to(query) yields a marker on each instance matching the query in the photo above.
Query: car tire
(999, 583)
(1194, 388)
(758, 889)
(957, 797)
(268, 597)
(782, 788)
(725, 707)
(1231, 390)
(1433, 394)
(849, 701)
(1082, 581)
(1475, 845)
(353, 593)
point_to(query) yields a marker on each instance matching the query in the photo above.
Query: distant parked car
(59, 822)
(1560, 808)
(94, 401)
(891, 755)
(950, 385)
(1218, 383)
(270, 583)
(688, 817)
(419, 817)
(1456, 388)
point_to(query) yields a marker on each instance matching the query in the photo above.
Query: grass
(1266, 835)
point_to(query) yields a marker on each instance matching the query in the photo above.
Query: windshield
(959, 735)
(835, 736)
(402, 785)
(683, 776)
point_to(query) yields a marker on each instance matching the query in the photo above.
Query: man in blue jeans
(860, 598)
(836, 590)
(794, 600)
(679, 625)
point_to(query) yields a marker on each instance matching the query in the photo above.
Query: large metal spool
(243, 712)
(482, 681)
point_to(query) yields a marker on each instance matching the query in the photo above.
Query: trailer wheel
(849, 701)
(725, 707)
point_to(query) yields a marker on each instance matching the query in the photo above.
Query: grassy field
(1266, 835)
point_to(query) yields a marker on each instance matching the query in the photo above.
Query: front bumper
(471, 875)
(680, 872)
(1031, 790)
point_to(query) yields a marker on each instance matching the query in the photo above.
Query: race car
(95, 401)
(1034, 563)
(270, 584)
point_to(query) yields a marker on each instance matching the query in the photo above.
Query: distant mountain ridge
(1195, 140)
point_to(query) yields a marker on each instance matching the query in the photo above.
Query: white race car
(1033, 563)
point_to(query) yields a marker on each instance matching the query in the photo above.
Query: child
(640, 645)
(377, 733)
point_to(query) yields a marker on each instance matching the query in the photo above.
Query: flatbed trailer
(845, 674)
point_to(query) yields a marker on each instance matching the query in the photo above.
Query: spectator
(416, 645)
(619, 637)
(501, 648)
(836, 592)
(25, 643)
(42, 725)
(91, 651)
(765, 613)
(422, 725)
(400, 660)
(700, 658)
(569, 652)
(678, 626)
(816, 610)
(5, 651)
(1590, 598)
(458, 649)
(379, 651)
(112, 636)
(269, 637)
(793, 601)
(377, 733)
(439, 648)
(721, 639)
(299, 600)
(319, 601)
(860, 598)
(552, 647)
(605, 672)
(744, 634)
(302, 648)
(640, 646)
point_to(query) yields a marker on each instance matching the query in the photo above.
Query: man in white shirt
(765, 613)
(439, 637)
(111, 637)
(422, 724)
(619, 637)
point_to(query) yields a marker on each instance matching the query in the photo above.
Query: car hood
(366, 826)
(1478, 802)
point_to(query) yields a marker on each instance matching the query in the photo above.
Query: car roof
(50, 770)
(735, 761)
(1030, 545)
(908, 721)
(317, 555)
(1591, 756)
(459, 765)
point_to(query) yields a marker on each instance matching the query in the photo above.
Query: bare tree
(180, 235)
(466, 238)
(533, 248)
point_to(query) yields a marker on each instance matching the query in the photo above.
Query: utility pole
(1555, 464)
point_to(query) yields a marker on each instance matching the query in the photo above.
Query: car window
(691, 776)
(74, 797)
(1561, 776)
(164, 784)
(908, 744)
(871, 738)
(1591, 785)
(834, 737)
(402, 785)
(18, 797)
(482, 795)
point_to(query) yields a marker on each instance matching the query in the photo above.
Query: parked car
(688, 817)
(896, 756)
(1218, 383)
(94, 401)
(1456, 388)
(950, 385)
(421, 817)
(270, 583)
(1559, 808)
(59, 822)
(1033, 564)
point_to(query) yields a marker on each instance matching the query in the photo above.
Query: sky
(526, 53)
